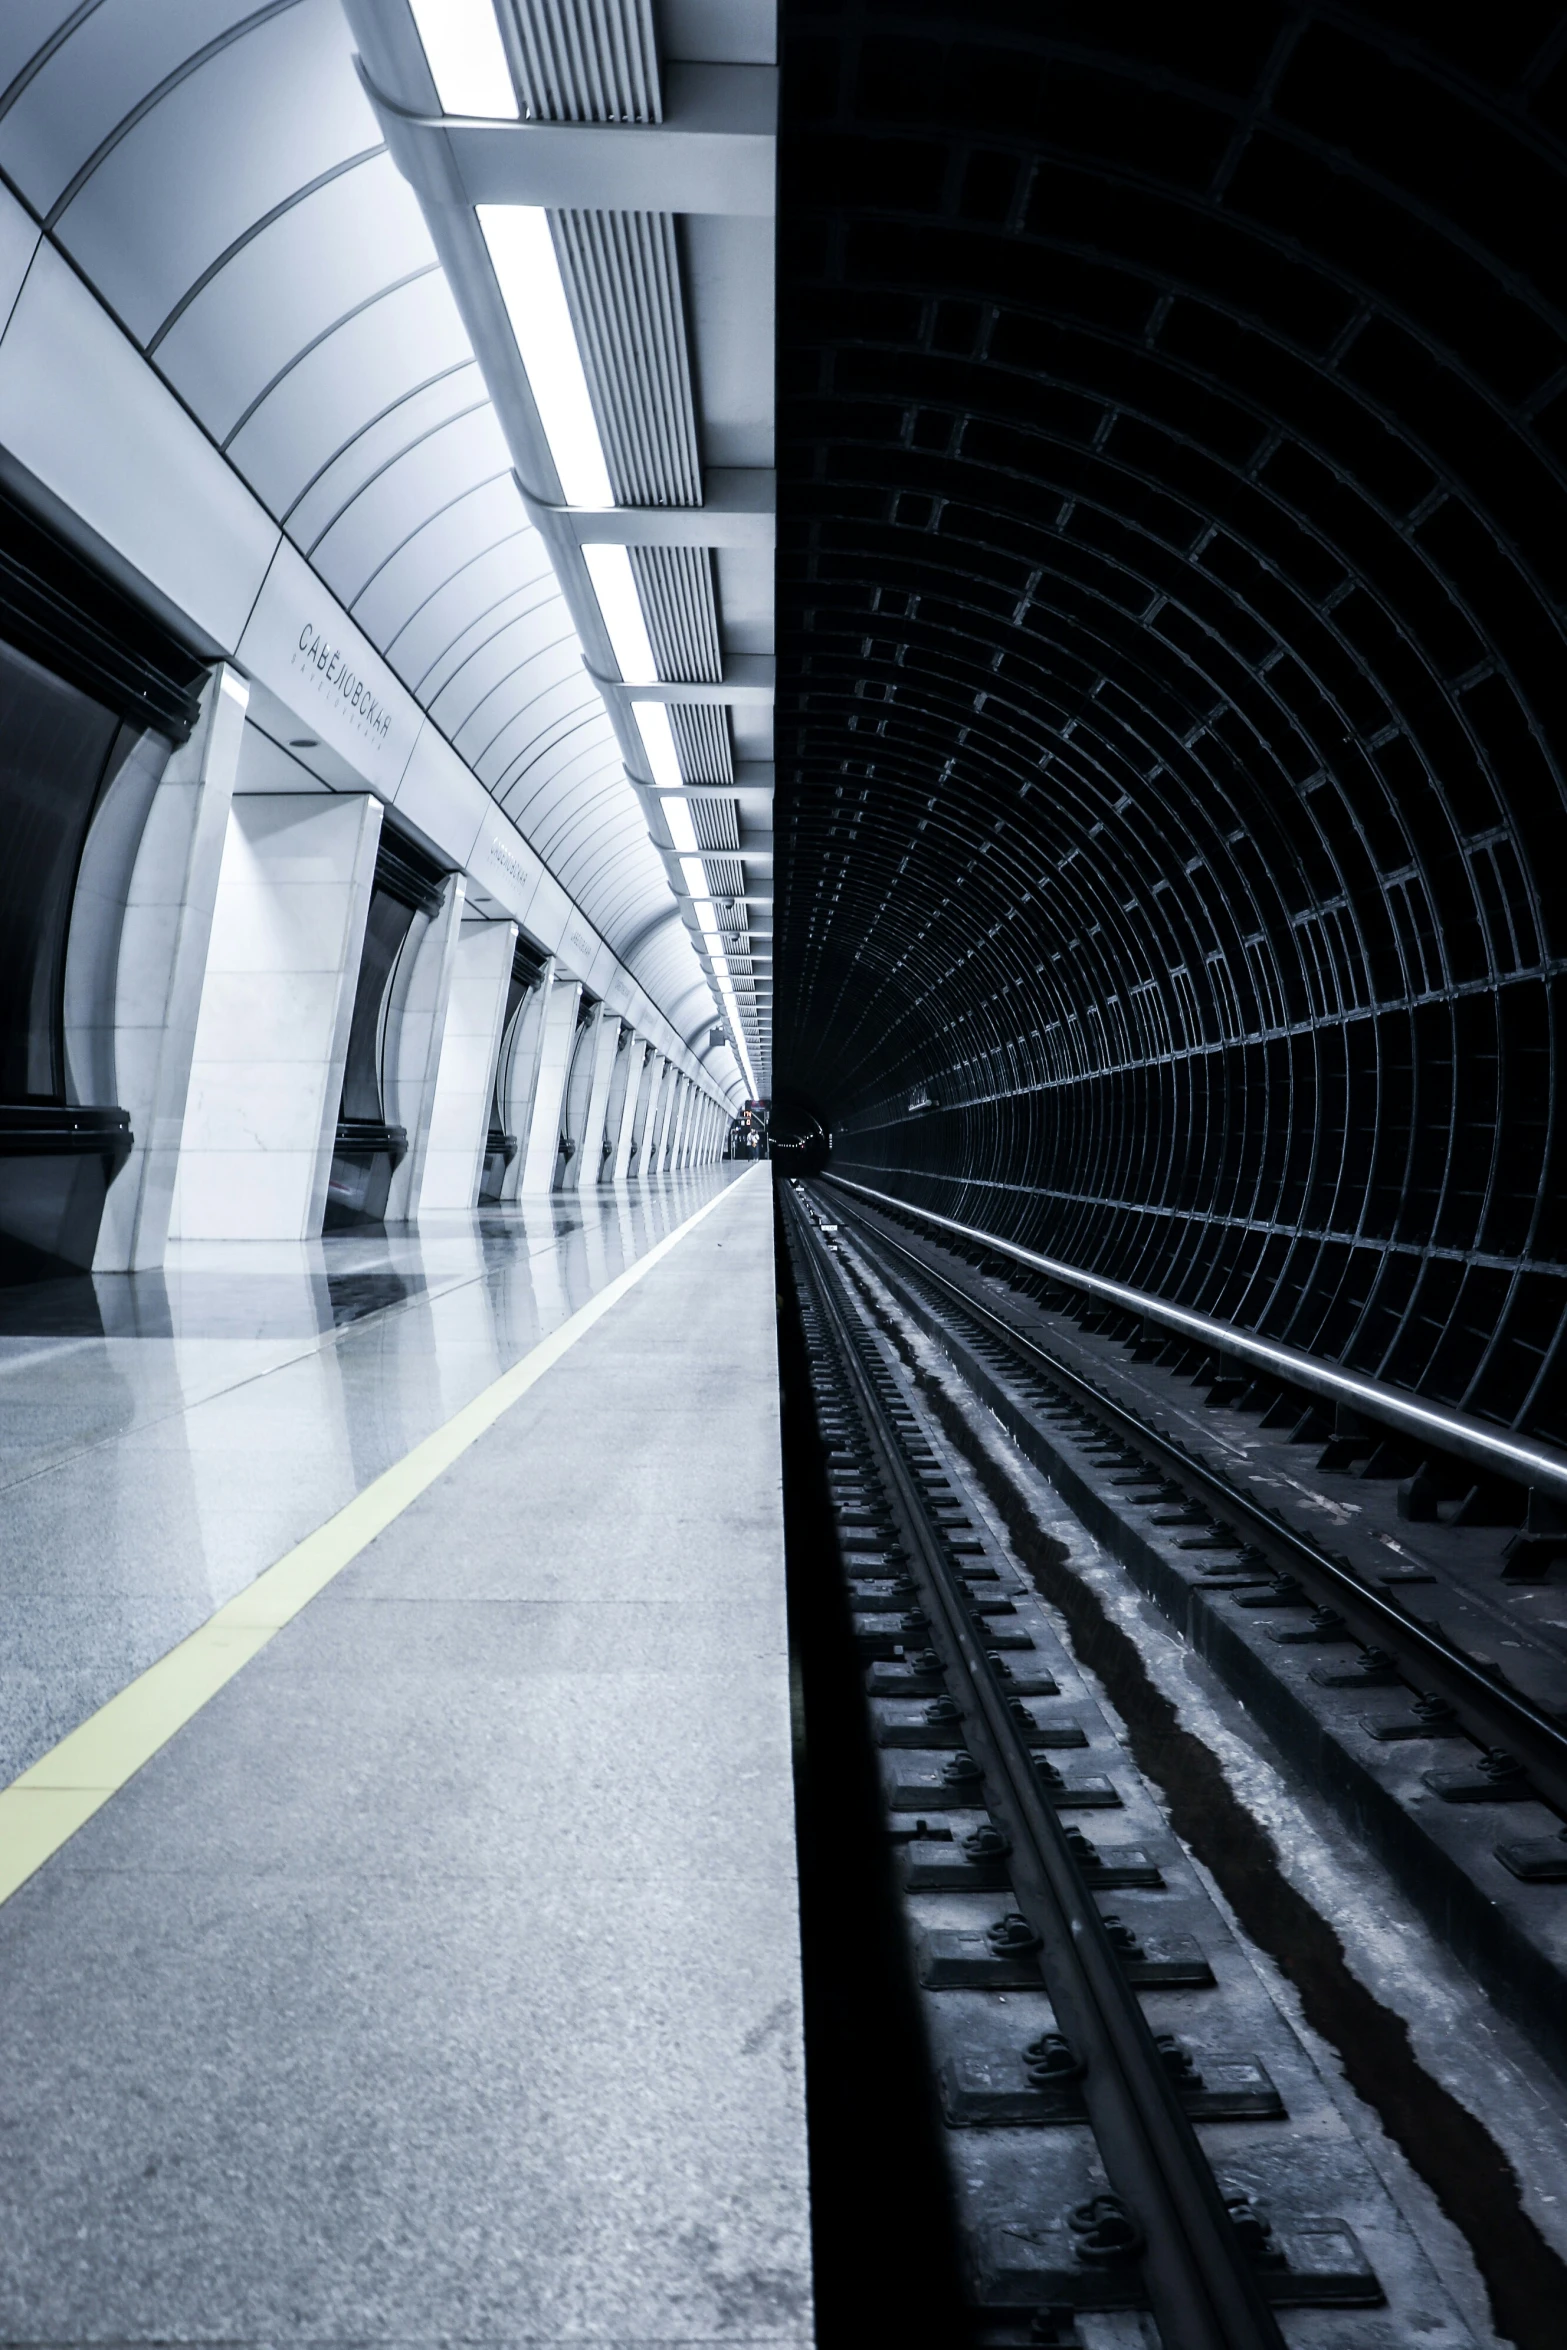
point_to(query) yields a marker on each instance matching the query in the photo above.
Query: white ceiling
(215, 173)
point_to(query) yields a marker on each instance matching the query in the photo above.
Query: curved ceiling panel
(216, 174)
(1172, 708)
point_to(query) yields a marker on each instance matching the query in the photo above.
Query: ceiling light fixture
(658, 740)
(462, 45)
(677, 812)
(528, 273)
(609, 568)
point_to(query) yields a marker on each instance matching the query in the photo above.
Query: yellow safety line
(43, 1808)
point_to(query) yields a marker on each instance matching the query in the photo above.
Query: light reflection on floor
(166, 1436)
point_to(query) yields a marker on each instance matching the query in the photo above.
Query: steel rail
(1520, 1458)
(1492, 1715)
(1204, 2292)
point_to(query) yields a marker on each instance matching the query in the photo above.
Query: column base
(57, 1161)
(365, 1157)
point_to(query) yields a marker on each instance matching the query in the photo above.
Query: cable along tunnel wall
(1172, 722)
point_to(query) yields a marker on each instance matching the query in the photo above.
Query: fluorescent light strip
(658, 740)
(528, 273)
(609, 568)
(462, 43)
(677, 812)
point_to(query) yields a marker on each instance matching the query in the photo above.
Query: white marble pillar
(658, 1137)
(636, 1056)
(465, 1079)
(693, 1132)
(288, 925)
(140, 927)
(615, 1109)
(683, 1109)
(647, 1156)
(518, 1078)
(636, 1159)
(677, 1124)
(411, 1048)
(586, 1170)
(541, 1144)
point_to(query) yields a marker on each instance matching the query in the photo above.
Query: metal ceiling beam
(748, 679)
(739, 509)
(715, 151)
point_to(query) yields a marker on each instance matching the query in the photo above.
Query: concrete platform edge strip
(43, 1808)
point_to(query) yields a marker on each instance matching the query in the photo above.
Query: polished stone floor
(439, 1981)
(166, 1436)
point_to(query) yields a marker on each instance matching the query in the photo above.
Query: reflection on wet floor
(166, 1436)
(238, 1304)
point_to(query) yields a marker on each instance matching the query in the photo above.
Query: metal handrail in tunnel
(1540, 1466)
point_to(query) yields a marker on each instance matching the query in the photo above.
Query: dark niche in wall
(368, 1151)
(500, 1147)
(86, 676)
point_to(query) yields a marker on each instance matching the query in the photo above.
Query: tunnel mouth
(798, 1135)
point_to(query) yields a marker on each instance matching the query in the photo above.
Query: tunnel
(1171, 607)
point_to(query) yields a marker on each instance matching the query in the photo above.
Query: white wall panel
(444, 799)
(291, 282)
(267, 1070)
(82, 413)
(88, 86)
(508, 583)
(18, 244)
(491, 511)
(516, 652)
(324, 395)
(380, 444)
(317, 662)
(178, 189)
(423, 481)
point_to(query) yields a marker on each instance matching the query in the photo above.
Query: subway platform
(400, 1941)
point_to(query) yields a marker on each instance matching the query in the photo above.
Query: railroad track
(1133, 2122)
(1458, 1780)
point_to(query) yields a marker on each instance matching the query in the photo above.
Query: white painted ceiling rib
(215, 171)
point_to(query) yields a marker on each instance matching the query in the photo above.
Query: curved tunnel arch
(1172, 586)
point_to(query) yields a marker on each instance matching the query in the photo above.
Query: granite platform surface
(440, 1980)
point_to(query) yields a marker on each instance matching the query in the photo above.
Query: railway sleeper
(1464, 1831)
(1051, 2239)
